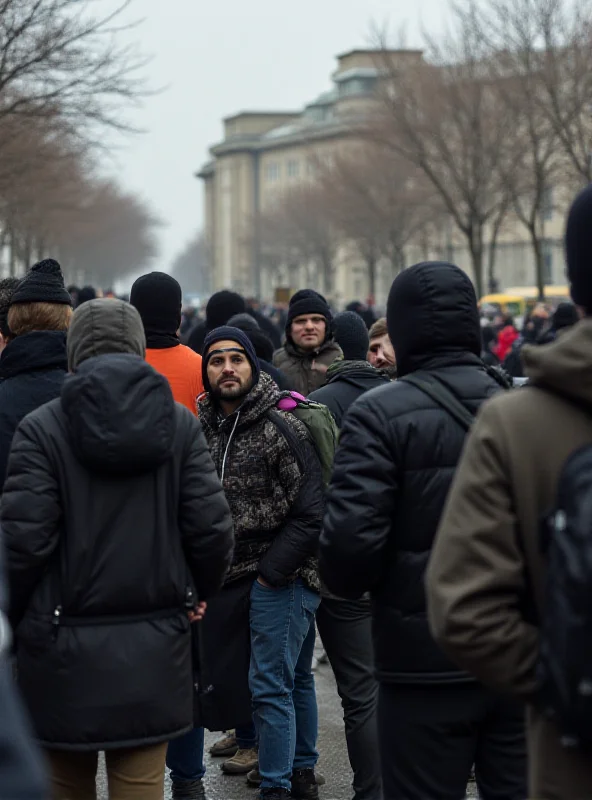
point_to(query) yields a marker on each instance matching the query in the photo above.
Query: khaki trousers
(134, 774)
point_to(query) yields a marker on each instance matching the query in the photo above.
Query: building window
(272, 172)
(293, 168)
(355, 86)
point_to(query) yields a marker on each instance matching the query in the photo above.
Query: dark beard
(233, 394)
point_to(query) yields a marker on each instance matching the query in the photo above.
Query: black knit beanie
(244, 322)
(158, 298)
(44, 283)
(307, 301)
(221, 307)
(232, 335)
(578, 249)
(351, 334)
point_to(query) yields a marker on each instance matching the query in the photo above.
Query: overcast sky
(217, 57)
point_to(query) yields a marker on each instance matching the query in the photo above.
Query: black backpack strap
(290, 436)
(444, 398)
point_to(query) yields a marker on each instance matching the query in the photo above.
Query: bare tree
(442, 116)
(59, 59)
(378, 201)
(192, 266)
(516, 65)
(564, 29)
(299, 231)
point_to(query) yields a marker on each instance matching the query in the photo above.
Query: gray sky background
(215, 58)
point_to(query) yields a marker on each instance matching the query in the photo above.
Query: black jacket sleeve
(299, 538)
(205, 520)
(360, 504)
(30, 514)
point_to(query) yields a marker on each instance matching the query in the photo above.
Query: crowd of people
(186, 502)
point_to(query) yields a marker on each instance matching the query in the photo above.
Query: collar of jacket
(442, 359)
(31, 352)
(341, 369)
(262, 397)
(296, 352)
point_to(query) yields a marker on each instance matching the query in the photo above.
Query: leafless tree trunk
(442, 116)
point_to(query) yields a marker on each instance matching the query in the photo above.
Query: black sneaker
(274, 794)
(189, 790)
(304, 784)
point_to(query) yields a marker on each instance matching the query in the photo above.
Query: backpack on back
(319, 423)
(564, 670)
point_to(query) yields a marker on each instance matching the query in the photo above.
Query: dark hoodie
(114, 518)
(32, 369)
(346, 381)
(395, 462)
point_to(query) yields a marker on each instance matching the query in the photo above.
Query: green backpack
(320, 424)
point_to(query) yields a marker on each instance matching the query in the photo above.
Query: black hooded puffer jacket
(396, 459)
(114, 517)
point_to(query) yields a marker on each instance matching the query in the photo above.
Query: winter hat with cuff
(351, 334)
(307, 301)
(227, 333)
(44, 283)
(104, 326)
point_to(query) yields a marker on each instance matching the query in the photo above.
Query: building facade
(265, 153)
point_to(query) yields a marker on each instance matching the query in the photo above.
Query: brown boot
(242, 763)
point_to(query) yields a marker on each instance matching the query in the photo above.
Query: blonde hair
(27, 317)
(378, 330)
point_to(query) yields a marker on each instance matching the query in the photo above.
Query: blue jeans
(281, 680)
(185, 756)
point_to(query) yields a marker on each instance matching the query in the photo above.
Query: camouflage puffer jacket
(275, 495)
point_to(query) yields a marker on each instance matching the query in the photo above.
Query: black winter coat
(114, 517)
(32, 370)
(394, 465)
(346, 381)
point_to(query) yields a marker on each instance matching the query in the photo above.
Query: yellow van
(518, 300)
(507, 302)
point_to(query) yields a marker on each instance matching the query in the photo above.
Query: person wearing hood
(262, 344)
(488, 572)
(158, 298)
(115, 525)
(33, 364)
(395, 462)
(310, 348)
(219, 309)
(345, 626)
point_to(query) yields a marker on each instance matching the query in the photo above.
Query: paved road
(333, 763)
